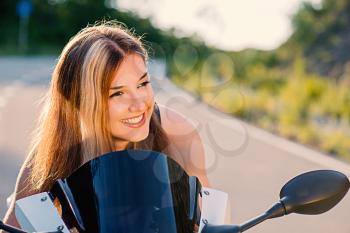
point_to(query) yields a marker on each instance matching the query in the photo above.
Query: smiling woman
(101, 100)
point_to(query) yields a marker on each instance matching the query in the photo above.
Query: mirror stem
(249, 224)
(275, 211)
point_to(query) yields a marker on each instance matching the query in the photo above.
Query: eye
(118, 93)
(143, 84)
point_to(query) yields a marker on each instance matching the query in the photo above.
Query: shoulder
(175, 124)
(185, 143)
(24, 186)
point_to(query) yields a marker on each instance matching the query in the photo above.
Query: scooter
(136, 191)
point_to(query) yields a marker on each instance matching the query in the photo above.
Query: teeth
(133, 120)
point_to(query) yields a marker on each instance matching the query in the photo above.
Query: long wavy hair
(74, 127)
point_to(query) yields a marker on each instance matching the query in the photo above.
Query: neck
(120, 145)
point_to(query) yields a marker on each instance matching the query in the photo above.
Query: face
(131, 102)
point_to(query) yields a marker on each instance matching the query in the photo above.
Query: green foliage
(290, 101)
(337, 143)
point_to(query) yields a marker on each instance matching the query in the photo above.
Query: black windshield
(129, 191)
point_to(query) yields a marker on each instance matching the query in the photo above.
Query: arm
(185, 144)
(22, 189)
(188, 148)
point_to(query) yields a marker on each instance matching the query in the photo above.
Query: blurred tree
(53, 22)
(323, 34)
(8, 23)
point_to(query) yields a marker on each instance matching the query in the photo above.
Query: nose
(138, 104)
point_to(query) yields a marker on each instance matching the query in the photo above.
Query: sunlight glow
(226, 24)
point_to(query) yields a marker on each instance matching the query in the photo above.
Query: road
(248, 163)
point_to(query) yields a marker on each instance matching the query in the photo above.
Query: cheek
(115, 111)
(150, 95)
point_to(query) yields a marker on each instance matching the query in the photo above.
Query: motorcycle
(135, 191)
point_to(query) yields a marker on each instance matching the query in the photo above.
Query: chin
(139, 138)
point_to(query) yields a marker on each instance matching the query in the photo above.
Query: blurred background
(281, 66)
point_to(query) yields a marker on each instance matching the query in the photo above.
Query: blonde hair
(73, 127)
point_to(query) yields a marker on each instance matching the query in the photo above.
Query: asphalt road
(248, 163)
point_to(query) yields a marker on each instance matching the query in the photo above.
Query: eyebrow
(119, 87)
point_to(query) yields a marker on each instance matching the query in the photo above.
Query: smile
(134, 122)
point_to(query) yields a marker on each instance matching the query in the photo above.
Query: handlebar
(12, 229)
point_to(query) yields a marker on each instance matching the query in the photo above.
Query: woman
(101, 100)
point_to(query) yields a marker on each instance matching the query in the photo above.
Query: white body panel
(37, 213)
(214, 204)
